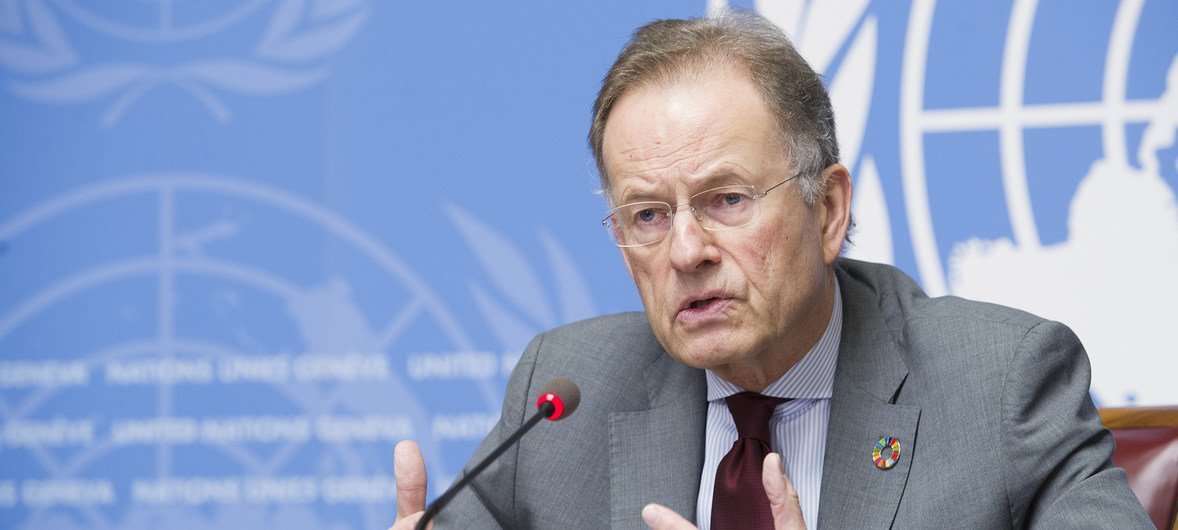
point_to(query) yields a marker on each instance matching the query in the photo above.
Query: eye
(648, 215)
(732, 199)
(728, 200)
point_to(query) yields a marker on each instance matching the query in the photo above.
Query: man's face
(745, 302)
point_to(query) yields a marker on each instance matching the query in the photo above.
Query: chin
(704, 357)
(703, 348)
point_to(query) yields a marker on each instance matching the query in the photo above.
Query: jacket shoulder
(888, 291)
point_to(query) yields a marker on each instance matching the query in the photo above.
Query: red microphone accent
(558, 403)
(564, 396)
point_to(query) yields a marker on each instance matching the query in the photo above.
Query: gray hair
(669, 50)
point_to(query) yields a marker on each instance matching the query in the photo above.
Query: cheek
(778, 263)
(649, 283)
(768, 253)
(790, 243)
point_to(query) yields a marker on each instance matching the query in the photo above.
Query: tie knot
(751, 412)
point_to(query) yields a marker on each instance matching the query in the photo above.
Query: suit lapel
(870, 372)
(656, 454)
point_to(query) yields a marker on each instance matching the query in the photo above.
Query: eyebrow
(714, 180)
(639, 196)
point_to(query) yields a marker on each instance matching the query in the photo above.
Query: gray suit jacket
(990, 404)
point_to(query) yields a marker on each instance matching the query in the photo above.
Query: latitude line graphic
(1032, 116)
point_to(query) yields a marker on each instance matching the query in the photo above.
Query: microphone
(558, 400)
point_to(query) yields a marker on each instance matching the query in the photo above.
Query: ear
(836, 211)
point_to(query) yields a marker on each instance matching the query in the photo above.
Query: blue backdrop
(248, 245)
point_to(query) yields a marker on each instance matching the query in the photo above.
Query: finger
(660, 517)
(409, 473)
(783, 498)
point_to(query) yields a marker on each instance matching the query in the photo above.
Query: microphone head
(563, 395)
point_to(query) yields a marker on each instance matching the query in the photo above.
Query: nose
(692, 247)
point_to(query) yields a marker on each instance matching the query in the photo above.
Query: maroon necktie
(739, 500)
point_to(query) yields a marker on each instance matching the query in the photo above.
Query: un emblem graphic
(1097, 252)
(185, 283)
(50, 65)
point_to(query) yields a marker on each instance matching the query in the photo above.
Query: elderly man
(716, 147)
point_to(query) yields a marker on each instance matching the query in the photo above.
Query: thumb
(783, 498)
(409, 473)
(659, 517)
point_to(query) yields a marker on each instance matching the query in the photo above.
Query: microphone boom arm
(546, 409)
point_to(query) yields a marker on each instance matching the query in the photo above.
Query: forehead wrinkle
(662, 141)
(685, 155)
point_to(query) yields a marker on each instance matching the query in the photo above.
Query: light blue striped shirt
(799, 427)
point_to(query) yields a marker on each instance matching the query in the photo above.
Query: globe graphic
(218, 353)
(1017, 149)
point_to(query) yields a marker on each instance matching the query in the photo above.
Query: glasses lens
(727, 207)
(639, 223)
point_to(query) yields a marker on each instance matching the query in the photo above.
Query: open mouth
(700, 304)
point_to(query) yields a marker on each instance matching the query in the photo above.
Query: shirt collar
(811, 378)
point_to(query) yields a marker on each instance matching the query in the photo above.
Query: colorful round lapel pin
(886, 453)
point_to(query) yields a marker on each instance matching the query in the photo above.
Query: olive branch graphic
(284, 59)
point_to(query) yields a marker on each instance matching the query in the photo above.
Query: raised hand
(409, 472)
(783, 501)
(783, 498)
